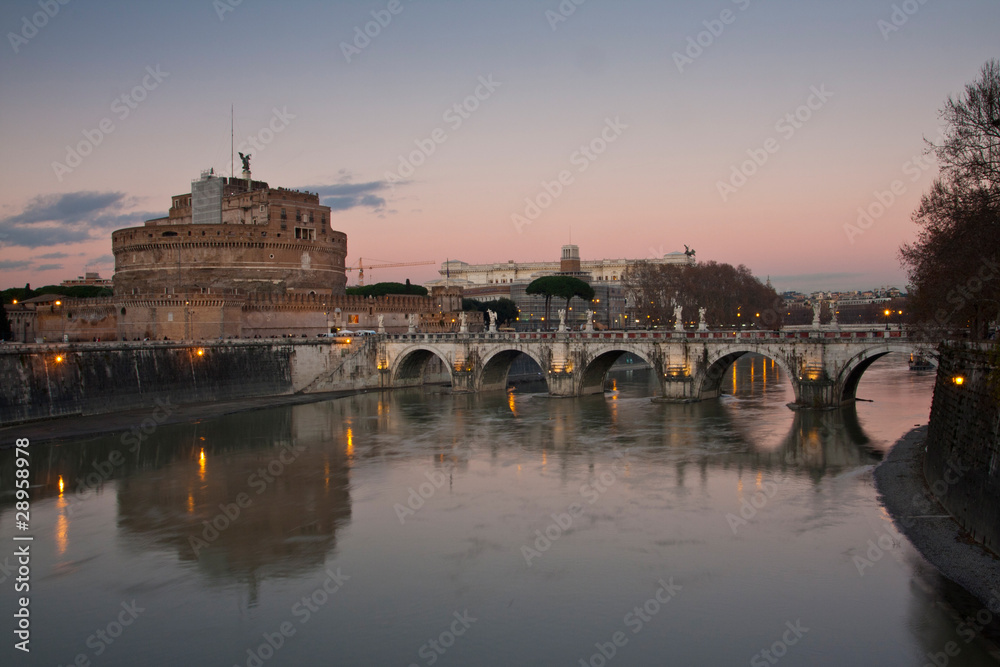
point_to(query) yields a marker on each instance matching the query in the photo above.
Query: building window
(298, 215)
(284, 215)
(305, 233)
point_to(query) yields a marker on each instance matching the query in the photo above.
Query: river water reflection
(419, 528)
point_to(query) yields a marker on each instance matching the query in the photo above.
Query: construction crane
(360, 268)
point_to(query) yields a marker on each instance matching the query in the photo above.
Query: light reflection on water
(425, 504)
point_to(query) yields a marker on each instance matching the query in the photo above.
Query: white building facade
(457, 273)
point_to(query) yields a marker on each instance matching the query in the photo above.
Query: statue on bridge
(678, 317)
(463, 326)
(590, 321)
(493, 320)
(381, 323)
(412, 323)
(702, 324)
(562, 319)
(817, 306)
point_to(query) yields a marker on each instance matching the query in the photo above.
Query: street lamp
(887, 313)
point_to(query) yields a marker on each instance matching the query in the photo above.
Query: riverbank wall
(46, 381)
(962, 461)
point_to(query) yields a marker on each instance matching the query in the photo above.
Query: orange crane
(362, 266)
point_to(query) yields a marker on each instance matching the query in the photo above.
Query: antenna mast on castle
(232, 145)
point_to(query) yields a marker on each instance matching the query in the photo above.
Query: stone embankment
(45, 381)
(941, 483)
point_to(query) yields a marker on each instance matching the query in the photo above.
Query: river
(419, 527)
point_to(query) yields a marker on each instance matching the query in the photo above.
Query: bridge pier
(564, 383)
(463, 382)
(677, 389)
(818, 394)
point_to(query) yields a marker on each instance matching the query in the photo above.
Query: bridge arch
(717, 365)
(496, 367)
(856, 366)
(596, 370)
(411, 365)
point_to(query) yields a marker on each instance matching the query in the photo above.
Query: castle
(233, 258)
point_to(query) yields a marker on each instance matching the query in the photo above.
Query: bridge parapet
(656, 335)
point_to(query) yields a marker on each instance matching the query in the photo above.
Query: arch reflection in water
(719, 433)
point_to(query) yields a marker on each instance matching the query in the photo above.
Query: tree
(5, 330)
(970, 151)
(75, 291)
(564, 287)
(543, 286)
(383, 289)
(954, 264)
(731, 295)
(505, 309)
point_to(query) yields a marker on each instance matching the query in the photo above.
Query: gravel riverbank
(903, 490)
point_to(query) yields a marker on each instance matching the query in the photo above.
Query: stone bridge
(824, 367)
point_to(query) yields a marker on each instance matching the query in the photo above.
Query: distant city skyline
(785, 136)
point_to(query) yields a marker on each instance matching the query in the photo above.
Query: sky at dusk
(750, 130)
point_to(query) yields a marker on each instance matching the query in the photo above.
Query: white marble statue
(702, 324)
(817, 305)
(678, 317)
(493, 320)
(463, 320)
(590, 321)
(381, 323)
(833, 316)
(413, 323)
(562, 319)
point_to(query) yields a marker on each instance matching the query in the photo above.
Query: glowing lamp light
(14, 302)
(59, 358)
(58, 303)
(958, 380)
(200, 352)
(61, 485)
